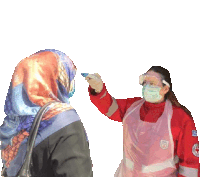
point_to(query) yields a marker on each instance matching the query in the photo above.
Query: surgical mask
(151, 93)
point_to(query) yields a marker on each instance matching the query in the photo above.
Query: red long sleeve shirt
(182, 127)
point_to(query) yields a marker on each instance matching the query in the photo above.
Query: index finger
(91, 76)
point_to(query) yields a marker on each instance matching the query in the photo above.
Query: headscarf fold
(43, 77)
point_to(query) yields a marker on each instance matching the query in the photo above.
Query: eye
(144, 83)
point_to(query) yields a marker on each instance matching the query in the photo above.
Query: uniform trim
(113, 108)
(103, 95)
(188, 172)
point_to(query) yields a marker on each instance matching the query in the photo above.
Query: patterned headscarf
(43, 77)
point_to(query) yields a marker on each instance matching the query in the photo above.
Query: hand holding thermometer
(94, 80)
(91, 76)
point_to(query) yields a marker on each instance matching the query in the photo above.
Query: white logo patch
(164, 144)
(195, 150)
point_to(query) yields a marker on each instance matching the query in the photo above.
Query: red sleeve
(114, 109)
(187, 148)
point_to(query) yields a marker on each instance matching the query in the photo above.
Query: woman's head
(43, 77)
(164, 79)
(160, 77)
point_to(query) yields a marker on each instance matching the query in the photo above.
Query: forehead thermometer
(84, 74)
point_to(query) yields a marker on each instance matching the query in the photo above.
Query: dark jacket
(64, 153)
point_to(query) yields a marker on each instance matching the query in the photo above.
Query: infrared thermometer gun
(92, 76)
(84, 74)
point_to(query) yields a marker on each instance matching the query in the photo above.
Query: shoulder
(181, 112)
(180, 115)
(67, 117)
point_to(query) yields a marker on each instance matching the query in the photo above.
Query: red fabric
(181, 124)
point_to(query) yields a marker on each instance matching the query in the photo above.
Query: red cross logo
(195, 150)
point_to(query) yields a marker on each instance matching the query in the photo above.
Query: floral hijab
(43, 77)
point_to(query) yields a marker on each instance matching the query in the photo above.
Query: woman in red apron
(159, 134)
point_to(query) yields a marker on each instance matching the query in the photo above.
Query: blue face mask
(151, 93)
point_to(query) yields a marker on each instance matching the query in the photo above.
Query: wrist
(98, 90)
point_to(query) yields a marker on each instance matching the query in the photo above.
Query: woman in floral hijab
(61, 147)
